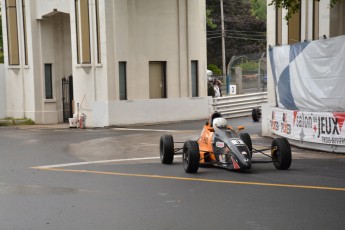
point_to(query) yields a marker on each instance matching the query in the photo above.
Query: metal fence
(248, 73)
(238, 105)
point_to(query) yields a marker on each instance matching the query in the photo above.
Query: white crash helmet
(220, 122)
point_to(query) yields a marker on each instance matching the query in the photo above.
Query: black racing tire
(166, 149)
(245, 137)
(256, 114)
(191, 156)
(281, 153)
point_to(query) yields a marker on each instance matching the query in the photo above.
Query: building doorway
(55, 32)
(67, 98)
(157, 75)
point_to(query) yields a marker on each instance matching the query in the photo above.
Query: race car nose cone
(246, 163)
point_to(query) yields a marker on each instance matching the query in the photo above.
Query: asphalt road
(53, 177)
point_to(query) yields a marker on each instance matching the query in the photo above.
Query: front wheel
(281, 153)
(245, 137)
(191, 156)
(166, 149)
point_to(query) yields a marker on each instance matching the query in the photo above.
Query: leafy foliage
(249, 65)
(259, 8)
(9, 121)
(209, 21)
(214, 69)
(292, 6)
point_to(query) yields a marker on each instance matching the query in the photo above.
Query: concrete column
(271, 32)
(2, 92)
(238, 75)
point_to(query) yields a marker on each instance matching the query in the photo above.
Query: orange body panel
(205, 144)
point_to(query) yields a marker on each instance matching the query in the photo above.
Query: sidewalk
(53, 126)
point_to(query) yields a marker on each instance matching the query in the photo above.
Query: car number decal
(237, 142)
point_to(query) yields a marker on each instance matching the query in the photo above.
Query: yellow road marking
(193, 179)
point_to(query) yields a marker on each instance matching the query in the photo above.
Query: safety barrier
(238, 105)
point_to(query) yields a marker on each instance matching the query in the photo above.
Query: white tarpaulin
(310, 76)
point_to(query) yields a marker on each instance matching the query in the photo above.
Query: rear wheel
(166, 147)
(256, 114)
(245, 137)
(191, 156)
(281, 153)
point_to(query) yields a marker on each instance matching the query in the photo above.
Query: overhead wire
(238, 35)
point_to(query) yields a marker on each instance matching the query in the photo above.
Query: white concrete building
(130, 61)
(315, 20)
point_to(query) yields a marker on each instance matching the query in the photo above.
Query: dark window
(24, 33)
(315, 20)
(85, 32)
(48, 81)
(278, 26)
(98, 33)
(12, 32)
(294, 28)
(82, 31)
(76, 6)
(123, 80)
(195, 82)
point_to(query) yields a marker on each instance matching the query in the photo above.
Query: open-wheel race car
(222, 146)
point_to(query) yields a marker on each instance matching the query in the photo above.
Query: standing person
(210, 88)
(216, 88)
(220, 87)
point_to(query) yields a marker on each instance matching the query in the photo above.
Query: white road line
(147, 144)
(95, 162)
(148, 130)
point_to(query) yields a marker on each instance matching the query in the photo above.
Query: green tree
(249, 65)
(209, 20)
(244, 32)
(214, 69)
(292, 5)
(259, 8)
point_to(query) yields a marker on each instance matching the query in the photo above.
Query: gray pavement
(112, 179)
(141, 140)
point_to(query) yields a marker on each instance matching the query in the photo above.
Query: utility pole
(223, 37)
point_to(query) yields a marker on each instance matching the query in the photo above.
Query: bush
(8, 121)
(214, 69)
(249, 65)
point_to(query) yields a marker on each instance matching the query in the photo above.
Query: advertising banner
(310, 76)
(316, 127)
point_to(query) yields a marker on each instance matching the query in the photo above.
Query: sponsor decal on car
(220, 144)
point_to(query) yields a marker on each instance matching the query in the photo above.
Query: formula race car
(221, 146)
